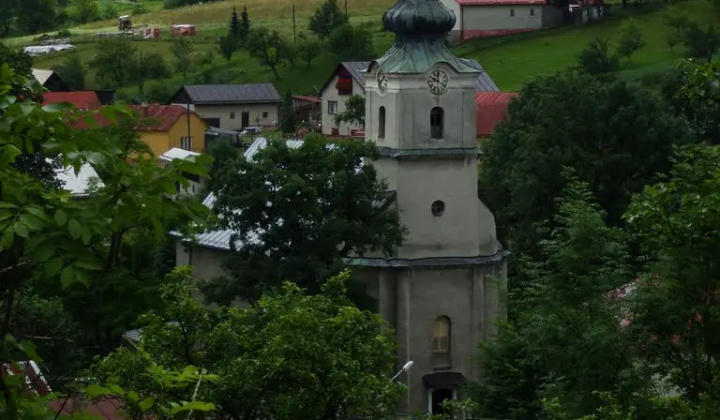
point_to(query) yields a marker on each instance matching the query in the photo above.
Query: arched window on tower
(441, 335)
(381, 122)
(437, 116)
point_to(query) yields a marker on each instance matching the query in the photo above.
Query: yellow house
(163, 127)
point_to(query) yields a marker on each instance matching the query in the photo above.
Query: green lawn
(511, 61)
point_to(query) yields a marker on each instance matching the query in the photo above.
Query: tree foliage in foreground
(49, 236)
(615, 135)
(298, 212)
(289, 353)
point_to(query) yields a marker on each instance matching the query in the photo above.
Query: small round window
(437, 208)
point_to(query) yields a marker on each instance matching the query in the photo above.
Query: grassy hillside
(511, 60)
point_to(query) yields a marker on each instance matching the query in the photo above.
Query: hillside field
(511, 61)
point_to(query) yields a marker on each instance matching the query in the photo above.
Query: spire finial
(419, 18)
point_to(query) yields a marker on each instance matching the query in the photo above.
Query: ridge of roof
(232, 94)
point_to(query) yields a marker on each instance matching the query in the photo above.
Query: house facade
(163, 127)
(484, 18)
(345, 81)
(232, 107)
(348, 80)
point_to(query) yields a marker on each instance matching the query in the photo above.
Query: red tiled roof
(86, 99)
(104, 408)
(159, 118)
(500, 2)
(491, 107)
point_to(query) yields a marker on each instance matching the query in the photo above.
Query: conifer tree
(244, 28)
(234, 28)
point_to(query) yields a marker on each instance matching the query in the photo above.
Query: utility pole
(293, 9)
(346, 13)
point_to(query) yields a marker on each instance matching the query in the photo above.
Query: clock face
(438, 81)
(382, 81)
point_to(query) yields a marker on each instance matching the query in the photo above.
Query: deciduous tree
(354, 112)
(327, 18)
(630, 38)
(351, 42)
(267, 47)
(331, 205)
(182, 49)
(110, 61)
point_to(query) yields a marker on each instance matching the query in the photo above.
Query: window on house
(512, 12)
(332, 107)
(264, 114)
(441, 335)
(381, 123)
(186, 143)
(532, 12)
(436, 122)
(232, 115)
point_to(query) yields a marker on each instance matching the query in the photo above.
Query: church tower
(441, 291)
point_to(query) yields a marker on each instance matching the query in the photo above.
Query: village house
(440, 291)
(483, 18)
(194, 181)
(347, 80)
(50, 80)
(164, 127)
(232, 107)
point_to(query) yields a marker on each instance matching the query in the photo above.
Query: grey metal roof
(356, 70)
(233, 94)
(221, 239)
(483, 83)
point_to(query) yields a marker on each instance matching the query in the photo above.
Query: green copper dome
(427, 18)
(420, 27)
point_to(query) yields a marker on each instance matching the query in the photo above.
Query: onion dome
(422, 18)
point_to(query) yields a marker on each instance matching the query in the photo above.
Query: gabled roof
(252, 93)
(42, 75)
(483, 83)
(491, 108)
(159, 117)
(86, 99)
(354, 68)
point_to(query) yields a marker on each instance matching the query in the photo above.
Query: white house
(194, 182)
(483, 18)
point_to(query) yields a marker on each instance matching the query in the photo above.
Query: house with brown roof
(163, 127)
(86, 99)
(232, 107)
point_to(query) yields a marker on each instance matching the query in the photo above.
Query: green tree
(86, 11)
(142, 68)
(288, 122)
(308, 49)
(327, 18)
(234, 27)
(7, 17)
(617, 136)
(182, 49)
(597, 60)
(701, 43)
(331, 206)
(227, 45)
(267, 47)
(110, 61)
(676, 300)
(109, 11)
(314, 354)
(244, 29)
(630, 38)
(72, 71)
(351, 42)
(568, 341)
(695, 97)
(677, 20)
(33, 16)
(354, 112)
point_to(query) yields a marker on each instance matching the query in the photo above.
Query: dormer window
(437, 116)
(381, 123)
